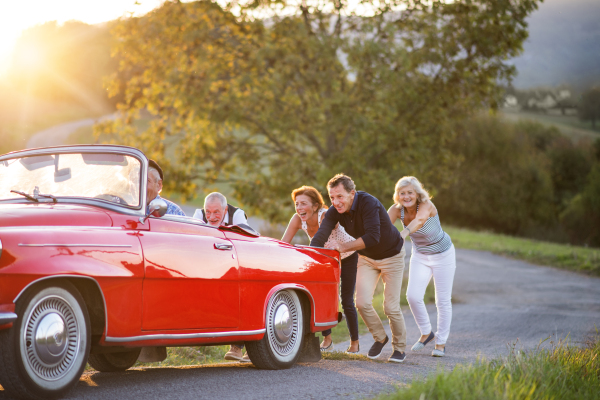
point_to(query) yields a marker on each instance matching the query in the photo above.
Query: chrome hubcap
(283, 323)
(51, 338)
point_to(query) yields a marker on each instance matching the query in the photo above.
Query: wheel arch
(92, 295)
(303, 293)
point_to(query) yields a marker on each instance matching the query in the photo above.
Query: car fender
(315, 326)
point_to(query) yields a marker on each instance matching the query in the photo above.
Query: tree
(310, 89)
(589, 109)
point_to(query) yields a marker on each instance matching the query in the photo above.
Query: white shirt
(239, 217)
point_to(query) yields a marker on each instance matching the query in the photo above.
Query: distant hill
(563, 46)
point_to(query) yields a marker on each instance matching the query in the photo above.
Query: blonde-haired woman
(432, 255)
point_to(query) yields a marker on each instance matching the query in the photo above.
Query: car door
(191, 277)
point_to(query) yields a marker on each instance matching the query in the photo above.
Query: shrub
(504, 183)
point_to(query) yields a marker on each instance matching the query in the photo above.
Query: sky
(18, 15)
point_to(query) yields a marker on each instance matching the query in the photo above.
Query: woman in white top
(310, 211)
(433, 255)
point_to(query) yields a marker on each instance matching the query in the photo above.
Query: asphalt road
(498, 304)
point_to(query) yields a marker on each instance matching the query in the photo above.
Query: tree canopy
(271, 95)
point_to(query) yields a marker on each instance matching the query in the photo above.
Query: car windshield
(107, 176)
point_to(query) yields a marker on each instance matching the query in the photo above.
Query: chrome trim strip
(71, 276)
(7, 317)
(326, 323)
(72, 245)
(176, 336)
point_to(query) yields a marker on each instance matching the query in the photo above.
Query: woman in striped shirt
(432, 255)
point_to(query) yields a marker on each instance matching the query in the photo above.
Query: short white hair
(216, 196)
(156, 173)
(422, 194)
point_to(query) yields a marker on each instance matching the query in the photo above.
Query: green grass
(561, 372)
(574, 258)
(342, 356)
(199, 355)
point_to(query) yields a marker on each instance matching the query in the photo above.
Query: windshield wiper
(36, 195)
(25, 195)
(48, 196)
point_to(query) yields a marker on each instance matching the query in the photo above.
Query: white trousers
(422, 267)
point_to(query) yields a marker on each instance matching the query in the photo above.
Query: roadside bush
(581, 218)
(570, 165)
(504, 183)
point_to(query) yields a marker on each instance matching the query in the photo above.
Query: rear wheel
(281, 345)
(114, 362)
(45, 352)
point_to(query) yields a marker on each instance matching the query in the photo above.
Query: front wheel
(44, 353)
(280, 347)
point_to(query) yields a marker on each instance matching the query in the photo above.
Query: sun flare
(16, 16)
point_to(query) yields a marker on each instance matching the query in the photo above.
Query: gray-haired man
(217, 212)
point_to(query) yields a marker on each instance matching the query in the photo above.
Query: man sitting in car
(217, 212)
(155, 184)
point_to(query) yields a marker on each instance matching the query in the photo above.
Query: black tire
(114, 362)
(44, 353)
(281, 345)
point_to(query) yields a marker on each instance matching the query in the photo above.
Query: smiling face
(408, 196)
(214, 212)
(305, 208)
(341, 199)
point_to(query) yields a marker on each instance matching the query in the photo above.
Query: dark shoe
(419, 345)
(397, 357)
(377, 348)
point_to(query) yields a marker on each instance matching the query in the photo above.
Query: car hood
(52, 215)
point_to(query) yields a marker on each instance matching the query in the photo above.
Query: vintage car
(89, 273)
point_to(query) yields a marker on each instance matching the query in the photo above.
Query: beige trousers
(391, 270)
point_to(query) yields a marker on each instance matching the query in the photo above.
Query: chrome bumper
(7, 317)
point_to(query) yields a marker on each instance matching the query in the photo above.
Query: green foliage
(570, 165)
(575, 258)
(582, 216)
(589, 109)
(315, 89)
(561, 372)
(503, 183)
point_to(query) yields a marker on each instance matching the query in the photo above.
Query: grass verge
(574, 258)
(562, 372)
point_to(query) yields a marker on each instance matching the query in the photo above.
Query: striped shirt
(430, 239)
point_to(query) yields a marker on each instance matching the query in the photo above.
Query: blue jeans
(348, 283)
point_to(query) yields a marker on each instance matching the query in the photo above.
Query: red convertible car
(87, 275)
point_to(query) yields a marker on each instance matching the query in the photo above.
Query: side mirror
(156, 208)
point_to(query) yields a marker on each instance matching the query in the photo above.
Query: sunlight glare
(16, 16)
